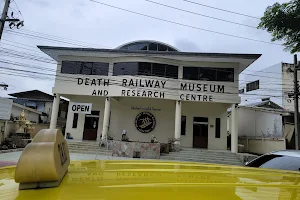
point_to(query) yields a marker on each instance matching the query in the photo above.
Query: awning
(289, 131)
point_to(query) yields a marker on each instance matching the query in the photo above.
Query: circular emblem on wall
(145, 122)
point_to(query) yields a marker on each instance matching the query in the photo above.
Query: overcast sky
(104, 27)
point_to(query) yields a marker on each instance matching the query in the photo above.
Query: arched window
(147, 46)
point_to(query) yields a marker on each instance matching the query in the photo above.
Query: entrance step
(87, 147)
(204, 156)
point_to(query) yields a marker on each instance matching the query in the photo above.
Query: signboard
(82, 108)
(5, 108)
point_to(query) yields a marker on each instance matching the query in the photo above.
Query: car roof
(292, 153)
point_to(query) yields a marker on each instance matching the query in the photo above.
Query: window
(100, 68)
(190, 73)
(75, 120)
(273, 161)
(225, 74)
(147, 46)
(158, 69)
(145, 69)
(152, 47)
(87, 68)
(70, 67)
(218, 128)
(252, 86)
(171, 71)
(183, 125)
(125, 68)
(208, 74)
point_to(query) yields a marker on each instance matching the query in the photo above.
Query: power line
(194, 13)
(18, 9)
(228, 11)
(185, 25)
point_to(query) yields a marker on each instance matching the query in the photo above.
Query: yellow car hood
(144, 179)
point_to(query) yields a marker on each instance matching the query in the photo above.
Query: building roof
(33, 94)
(244, 60)
(265, 104)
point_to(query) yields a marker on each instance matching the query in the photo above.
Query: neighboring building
(5, 113)
(274, 82)
(262, 127)
(148, 88)
(41, 102)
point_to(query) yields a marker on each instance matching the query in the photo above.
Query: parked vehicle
(282, 160)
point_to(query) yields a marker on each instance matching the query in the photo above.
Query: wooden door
(200, 132)
(91, 126)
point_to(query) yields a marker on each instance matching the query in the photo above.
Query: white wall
(262, 146)
(123, 117)
(256, 123)
(48, 109)
(270, 84)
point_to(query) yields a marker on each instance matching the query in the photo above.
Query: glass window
(200, 119)
(158, 69)
(252, 86)
(190, 73)
(145, 69)
(207, 74)
(162, 47)
(100, 68)
(75, 120)
(225, 74)
(86, 68)
(70, 67)
(125, 68)
(171, 71)
(273, 161)
(183, 125)
(152, 47)
(218, 128)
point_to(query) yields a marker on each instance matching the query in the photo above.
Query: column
(54, 113)
(234, 128)
(106, 118)
(178, 121)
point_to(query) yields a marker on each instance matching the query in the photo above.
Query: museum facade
(149, 88)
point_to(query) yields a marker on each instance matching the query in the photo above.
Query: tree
(283, 22)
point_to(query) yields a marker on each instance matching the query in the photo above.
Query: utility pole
(5, 19)
(296, 95)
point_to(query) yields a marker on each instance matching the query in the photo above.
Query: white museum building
(149, 88)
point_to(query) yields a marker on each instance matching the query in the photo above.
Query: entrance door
(200, 132)
(91, 126)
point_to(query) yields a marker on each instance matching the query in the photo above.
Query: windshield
(276, 162)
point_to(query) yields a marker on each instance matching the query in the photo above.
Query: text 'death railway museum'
(149, 88)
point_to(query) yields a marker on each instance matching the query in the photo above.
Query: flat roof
(243, 59)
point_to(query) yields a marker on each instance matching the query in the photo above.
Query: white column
(234, 128)
(106, 117)
(178, 121)
(54, 112)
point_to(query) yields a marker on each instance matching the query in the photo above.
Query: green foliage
(283, 22)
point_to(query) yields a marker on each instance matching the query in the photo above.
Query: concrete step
(203, 156)
(91, 151)
(203, 160)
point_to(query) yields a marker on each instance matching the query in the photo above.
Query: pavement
(8, 159)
